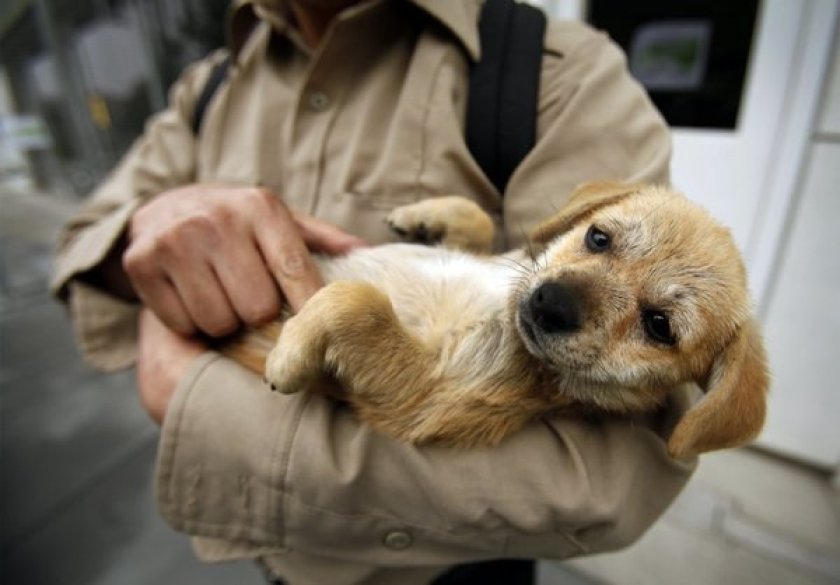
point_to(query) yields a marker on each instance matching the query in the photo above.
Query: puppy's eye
(597, 240)
(658, 327)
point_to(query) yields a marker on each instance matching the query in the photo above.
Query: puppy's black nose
(556, 308)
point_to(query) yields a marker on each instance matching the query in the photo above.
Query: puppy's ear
(585, 200)
(732, 411)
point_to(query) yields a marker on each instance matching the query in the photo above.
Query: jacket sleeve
(254, 473)
(164, 157)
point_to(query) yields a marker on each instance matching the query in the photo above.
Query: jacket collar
(459, 17)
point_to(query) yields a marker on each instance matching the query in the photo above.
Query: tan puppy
(634, 291)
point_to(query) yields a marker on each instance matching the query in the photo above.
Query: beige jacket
(371, 120)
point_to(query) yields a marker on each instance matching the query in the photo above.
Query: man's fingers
(321, 236)
(205, 300)
(156, 291)
(250, 286)
(162, 298)
(292, 266)
(287, 256)
(172, 277)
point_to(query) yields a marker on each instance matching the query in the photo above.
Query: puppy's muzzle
(555, 307)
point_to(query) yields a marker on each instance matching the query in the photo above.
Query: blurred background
(752, 92)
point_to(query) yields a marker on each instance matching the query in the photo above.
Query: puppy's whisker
(529, 249)
(532, 255)
(540, 263)
(517, 266)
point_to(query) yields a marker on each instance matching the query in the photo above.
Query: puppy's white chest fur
(434, 291)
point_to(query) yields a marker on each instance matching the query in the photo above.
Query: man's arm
(266, 473)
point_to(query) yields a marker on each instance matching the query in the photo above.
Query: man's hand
(162, 361)
(210, 258)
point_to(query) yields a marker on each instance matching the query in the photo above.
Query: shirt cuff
(105, 327)
(91, 246)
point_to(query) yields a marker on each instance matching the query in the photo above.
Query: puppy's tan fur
(433, 344)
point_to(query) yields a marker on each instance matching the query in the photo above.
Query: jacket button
(318, 101)
(397, 540)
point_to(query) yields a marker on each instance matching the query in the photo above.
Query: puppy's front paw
(337, 325)
(453, 221)
(296, 360)
(419, 223)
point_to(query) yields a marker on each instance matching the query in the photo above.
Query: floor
(77, 453)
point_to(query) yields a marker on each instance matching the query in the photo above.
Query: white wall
(802, 323)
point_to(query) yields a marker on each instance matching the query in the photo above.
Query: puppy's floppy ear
(732, 411)
(585, 200)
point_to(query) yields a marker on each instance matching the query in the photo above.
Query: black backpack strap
(501, 125)
(217, 76)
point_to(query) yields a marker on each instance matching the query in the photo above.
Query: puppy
(628, 292)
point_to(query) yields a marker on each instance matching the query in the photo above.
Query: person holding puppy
(334, 112)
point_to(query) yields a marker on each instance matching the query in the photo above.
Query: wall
(802, 322)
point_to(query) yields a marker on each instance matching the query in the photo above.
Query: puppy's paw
(453, 221)
(420, 223)
(296, 361)
(334, 329)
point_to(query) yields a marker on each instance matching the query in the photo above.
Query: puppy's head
(637, 291)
